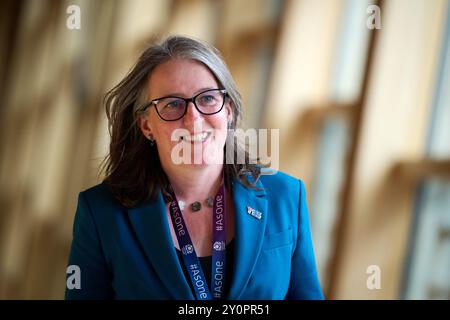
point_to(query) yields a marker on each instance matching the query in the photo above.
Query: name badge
(254, 213)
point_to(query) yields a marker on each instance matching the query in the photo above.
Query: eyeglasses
(174, 108)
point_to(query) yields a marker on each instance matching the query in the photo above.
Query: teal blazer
(129, 253)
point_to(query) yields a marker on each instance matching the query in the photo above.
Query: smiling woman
(244, 235)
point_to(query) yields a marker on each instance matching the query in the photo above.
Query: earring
(152, 141)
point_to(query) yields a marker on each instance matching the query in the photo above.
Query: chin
(205, 162)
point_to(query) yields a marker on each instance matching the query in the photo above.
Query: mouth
(196, 138)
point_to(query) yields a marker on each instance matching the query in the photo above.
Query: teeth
(196, 138)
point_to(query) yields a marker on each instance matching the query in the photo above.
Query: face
(196, 139)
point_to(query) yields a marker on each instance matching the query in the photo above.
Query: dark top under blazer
(129, 253)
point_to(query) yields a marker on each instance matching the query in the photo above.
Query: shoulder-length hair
(132, 168)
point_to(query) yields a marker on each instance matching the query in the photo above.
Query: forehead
(180, 77)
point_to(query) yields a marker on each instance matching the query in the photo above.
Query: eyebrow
(180, 95)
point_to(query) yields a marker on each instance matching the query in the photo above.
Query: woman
(172, 220)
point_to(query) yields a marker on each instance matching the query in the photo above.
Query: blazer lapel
(152, 230)
(249, 233)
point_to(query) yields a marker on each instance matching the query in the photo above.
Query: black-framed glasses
(172, 108)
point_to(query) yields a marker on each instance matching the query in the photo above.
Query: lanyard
(190, 258)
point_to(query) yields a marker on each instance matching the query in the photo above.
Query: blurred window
(351, 52)
(329, 177)
(428, 270)
(334, 141)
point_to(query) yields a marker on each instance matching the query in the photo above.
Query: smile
(199, 137)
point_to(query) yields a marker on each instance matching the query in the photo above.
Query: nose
(192, 116)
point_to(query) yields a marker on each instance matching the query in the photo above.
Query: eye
(207, 99)
(174, 104)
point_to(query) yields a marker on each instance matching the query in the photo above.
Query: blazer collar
(152, 230)
(249, 234)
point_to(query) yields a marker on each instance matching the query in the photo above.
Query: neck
(193, 184)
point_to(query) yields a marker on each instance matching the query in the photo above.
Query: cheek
(220, 127)
(219, 121)
(163, 134)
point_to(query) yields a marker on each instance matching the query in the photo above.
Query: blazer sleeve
(304, 279)
(87, 254)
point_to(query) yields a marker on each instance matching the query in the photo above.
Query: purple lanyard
(190, 258)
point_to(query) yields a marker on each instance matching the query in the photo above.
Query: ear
(229, 109)
(144, 125)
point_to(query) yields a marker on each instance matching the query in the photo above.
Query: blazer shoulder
(100, 199)
(280, 181)
(99, 191)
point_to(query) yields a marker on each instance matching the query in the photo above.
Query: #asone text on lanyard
(190, 258)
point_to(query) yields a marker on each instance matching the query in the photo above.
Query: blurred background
(363, 114)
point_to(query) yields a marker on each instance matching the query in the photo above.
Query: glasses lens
(171, 108)
(210, 101)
